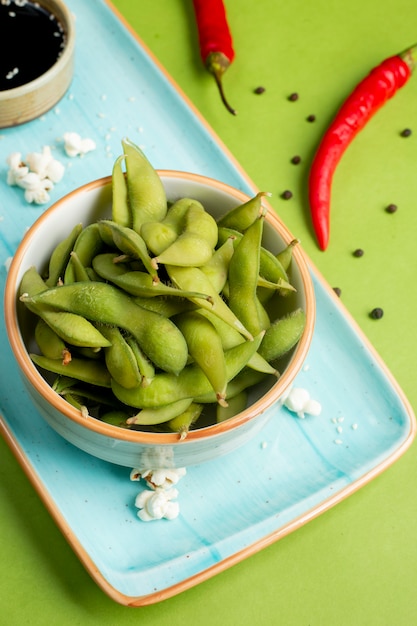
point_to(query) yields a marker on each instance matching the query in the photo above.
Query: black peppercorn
(406, 132)
(391, 208)
(311, 118)
(293, 97)
(376, 313)
(358, 252)
(287, 194)
(296, 160)
(337, 291)
(259, 90)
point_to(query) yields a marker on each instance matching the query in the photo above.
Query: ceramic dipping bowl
(133, 448)
(30, 100)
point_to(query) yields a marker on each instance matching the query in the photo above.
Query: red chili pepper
(216, 46)
(367, 98)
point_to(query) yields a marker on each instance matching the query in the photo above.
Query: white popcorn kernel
(157, 504)
(45, 165)
(163, 478)
(75, 146)
(312, 407)
(298, 400)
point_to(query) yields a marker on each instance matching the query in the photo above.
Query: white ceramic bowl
(32, 99)
(118, 445)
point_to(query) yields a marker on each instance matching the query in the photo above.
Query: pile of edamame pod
(159, 318)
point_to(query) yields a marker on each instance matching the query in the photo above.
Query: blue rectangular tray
(295, 469)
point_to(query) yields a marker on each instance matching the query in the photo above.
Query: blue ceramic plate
(294, 470)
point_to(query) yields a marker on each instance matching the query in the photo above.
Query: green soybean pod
(120, 195)
(145, 366)
(92, 372)
(216, 269)
(167, 307)
(160, 414)
(243, 278)
(205, 347)
(230, 337)
(135, 282)
(245, 379)
(282, 335)
(60, 256)
(72, 328)
(242, 216)
(115, 418)
(100, 302)
(80, 272)
(189, 383)
(182, 423)
(195, 245)
(192, 277)
(147, 198)
(87, 245)
(129, 242)
(159, 235)
(285, 256)
(269, 265)
(235, 405)
(50, 344)
(119, 358)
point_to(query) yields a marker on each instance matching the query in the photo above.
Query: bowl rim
(29, 370)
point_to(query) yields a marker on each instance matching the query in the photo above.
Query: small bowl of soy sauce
(37, 40)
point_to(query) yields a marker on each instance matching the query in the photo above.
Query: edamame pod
(50, 344)
(80, 272)
(185, 277)
(60, 256)
(195, 245)
(87, 245)
(242, 216)
(235, 405)
(146, 368)
(285, 256)
(115, 418)
(205, 347)
(129, 242)
(73, 329)
(160, 414)
(120, 196)
(159, 235)
(182, 423)
(243, 278)
(119, 358)
(269, 265)
(282, 335)
(230, 338)
(216, 269)
(158, 336)
(190, 382)
(243, 380)
(147, 198)
(135, 282)
(92, 372)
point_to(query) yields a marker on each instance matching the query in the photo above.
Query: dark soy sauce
(31, 41)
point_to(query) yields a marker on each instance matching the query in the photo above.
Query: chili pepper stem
(409, 57)
(217, 63)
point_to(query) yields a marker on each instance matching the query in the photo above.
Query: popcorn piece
(298, 400)
(75, 146)
(157, 504)
(159, 478)
(45, 165)
(17, 169)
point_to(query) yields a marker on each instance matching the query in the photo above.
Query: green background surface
(357, 563)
